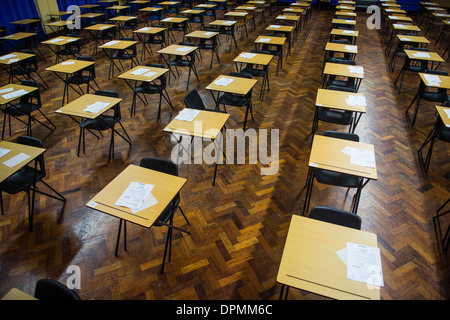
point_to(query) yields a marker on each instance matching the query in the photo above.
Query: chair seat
(147, 88)
(337, 179)
(21, 109)
(77, 79)
(20, 180)
(233, 100)
(341, 83)
(99, 123)
(23, 71)
(443, 134)
(254, 72)
(123, 56)
(179, 63)
(434, 96)
(416, 68)
(335, 116)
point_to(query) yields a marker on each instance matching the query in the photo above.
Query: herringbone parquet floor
(238, 227)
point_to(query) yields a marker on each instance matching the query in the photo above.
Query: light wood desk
(145, 34)
(9, 61)
(24, 24)
(16, 294)
(444, 117)
(6, 96)
(342, 70)
(68, 68)
(259, 59)
(342, 33)
(166, 187)
(338, 100)
(206, 125)
(266, 42)
(121, 21)
(145, 74)
(226, 27)
(18, 37)
(76, 111)
(349, 50)
(95, 30)
(345, 15)
(124, 46)
(201, 38)
(309, 261)
(442, 84)
(56, 43)
(349, 24)
(286, 31)
(179, 52)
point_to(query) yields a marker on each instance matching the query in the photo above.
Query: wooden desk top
(340, 47)
(100, 27)
(118, 44)
(207, 6)
(326, 153)
(415, 39)
(166, 188)
(435, 9)
(342, 21)
(202, 34)
(245, 8)
(338, 100)
(16, 294)
(148, 76)
(60, 13)
(300, 4)
(15, 57)
(89, 6)
(280, 28)
(444, 84)
(70, 66)
(345, 14)
(293, 10)
(61, 23)
(400, 18)
(4, 97)
(406, 27)
(342, 70)
(236, 14)
(60, 41)
(168, 3)
(433, 56)
(91, 15)
(224, 23)
(207, 124)
(25, 21)
(118, 7)
(193, 11)
(288, 17)
(150, 9)
(123, 18)
(310, 262)
(445, 118)
(441, 15)
(16, 149)
(238, 86)
(174, 20)
(277, 41)
(76, 107)
(175, 49)
(344, 7)
(258, 58)
(395, 10)
(149, 30)
(343, 32)
(19, 36)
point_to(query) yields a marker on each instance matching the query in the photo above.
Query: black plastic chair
(27, 105)
(166, 217)
(26, 179)
(152, 88)
(336, 216)
(424, 93)
(335, 178)
(335, 116)
(439, 131)
(51, 290)
(103, 123)
(238, 100)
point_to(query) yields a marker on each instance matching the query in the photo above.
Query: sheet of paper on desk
(3, 151)
(16, 160)
(187, 114)
(8, 56)
(135, 195)
(421, 55)
(149, 201)
(55, 40)
(350, 48)
(12, 60)
(362, 157)
(364, 264)
(433, 80)
(447, 112)
(223, 82)
(356, 100)
(6, 90)
(96, 107)
(144, 29)
(111, 43)
(275, 26)
(15, 94)
(139, 71)
(348, 31)
(357, 70)
(208, 33)
(247, 55)
(184, 49)
(264, 40)
(150, 74)
(65, 63)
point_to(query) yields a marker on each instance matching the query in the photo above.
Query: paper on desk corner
(135, 195)
(16, 160)
(364, 264)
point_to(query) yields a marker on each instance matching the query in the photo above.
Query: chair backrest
(342, 135)
(34, 142)
(91, 68)
(30, 62)
(112, 94)
(162, 78)
(336, 216)
(28, 98)
(193, 100)
(161, 165)
(48, 289)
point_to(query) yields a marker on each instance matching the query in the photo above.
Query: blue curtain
(13, 10)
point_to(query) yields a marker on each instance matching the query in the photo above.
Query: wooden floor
(238, 227)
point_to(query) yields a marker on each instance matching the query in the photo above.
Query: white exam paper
(15, 94)
(362, 157)
(421, 55)
(183, 49)
(264, 40)
(134, 195)
(139, 71)
(8, 56)
(3, 151)
(223, 82)
(16, 160)
(111, 43)
(247, 55)
(356, 100)
(187, 114)
(353, 69)
(364, 264)
(96, 107)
